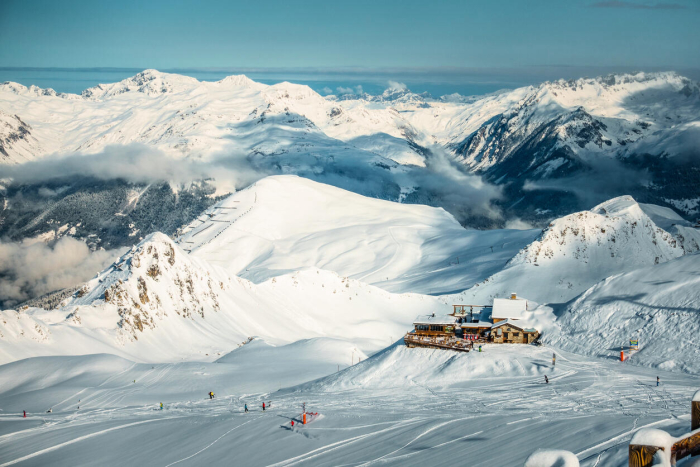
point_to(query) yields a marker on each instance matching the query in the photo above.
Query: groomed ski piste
(312, 324)
(482, 409)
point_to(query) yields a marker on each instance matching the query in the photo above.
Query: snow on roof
(482, 324)
(696, 397)
(504, 308)
(445, 320)
(511, 322)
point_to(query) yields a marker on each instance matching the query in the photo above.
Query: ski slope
(590, 407)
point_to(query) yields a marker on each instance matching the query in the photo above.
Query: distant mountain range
(531, 154)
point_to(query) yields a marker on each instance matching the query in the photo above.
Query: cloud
(396, 86)
(461, 193)
(342, 90)
(326, 90)
(359, 89)
(638, 6)
(518, 224)
(29, 270)
(137, 163)
(605, 179)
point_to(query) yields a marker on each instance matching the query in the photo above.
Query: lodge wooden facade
(506, 332)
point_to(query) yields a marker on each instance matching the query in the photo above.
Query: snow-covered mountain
(157, 303)
(530, 141)
(576, 251)
(285, 223)
(324, 262)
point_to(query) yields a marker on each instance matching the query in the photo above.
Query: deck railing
(443, 342)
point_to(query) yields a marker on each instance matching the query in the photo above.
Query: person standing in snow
(245, 406)
(546, 380)
(24, 412)
(161, 406)
(657, 380)
(292, 423)
(263, 406)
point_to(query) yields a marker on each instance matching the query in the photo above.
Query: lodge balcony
(449, 342)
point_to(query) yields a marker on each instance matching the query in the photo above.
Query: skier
(554, 359)
(161, 406)
(657, 380)
(263, 406)
(246, 407)
(49, 411)
(211, 395)
(24, 412)
(479, 348)
(292, 423)
(546, 380)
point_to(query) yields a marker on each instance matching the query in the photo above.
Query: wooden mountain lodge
(500, 323)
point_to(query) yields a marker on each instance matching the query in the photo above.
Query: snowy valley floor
(590, 407)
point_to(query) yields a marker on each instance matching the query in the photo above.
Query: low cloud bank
(29, 270)
(607, 178)
(138, 163)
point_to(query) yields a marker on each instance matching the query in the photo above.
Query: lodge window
(516, 334)
(436, 328)
(422, 327)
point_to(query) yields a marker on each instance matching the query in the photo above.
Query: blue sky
(367, 34)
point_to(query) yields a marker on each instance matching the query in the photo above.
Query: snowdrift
(399, 366)
(659, 305)
(286, 223)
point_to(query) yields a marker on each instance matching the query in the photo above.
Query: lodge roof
(507, 308)
(511, 323)
(440, 320)
(481, 324)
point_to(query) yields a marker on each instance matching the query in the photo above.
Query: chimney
(513, 296)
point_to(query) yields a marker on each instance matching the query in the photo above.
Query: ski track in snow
(591, 407)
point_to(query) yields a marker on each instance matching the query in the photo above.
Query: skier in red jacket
(263, 406)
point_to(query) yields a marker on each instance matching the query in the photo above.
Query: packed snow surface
(100, 404)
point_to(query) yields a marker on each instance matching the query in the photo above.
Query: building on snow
(497, 323)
